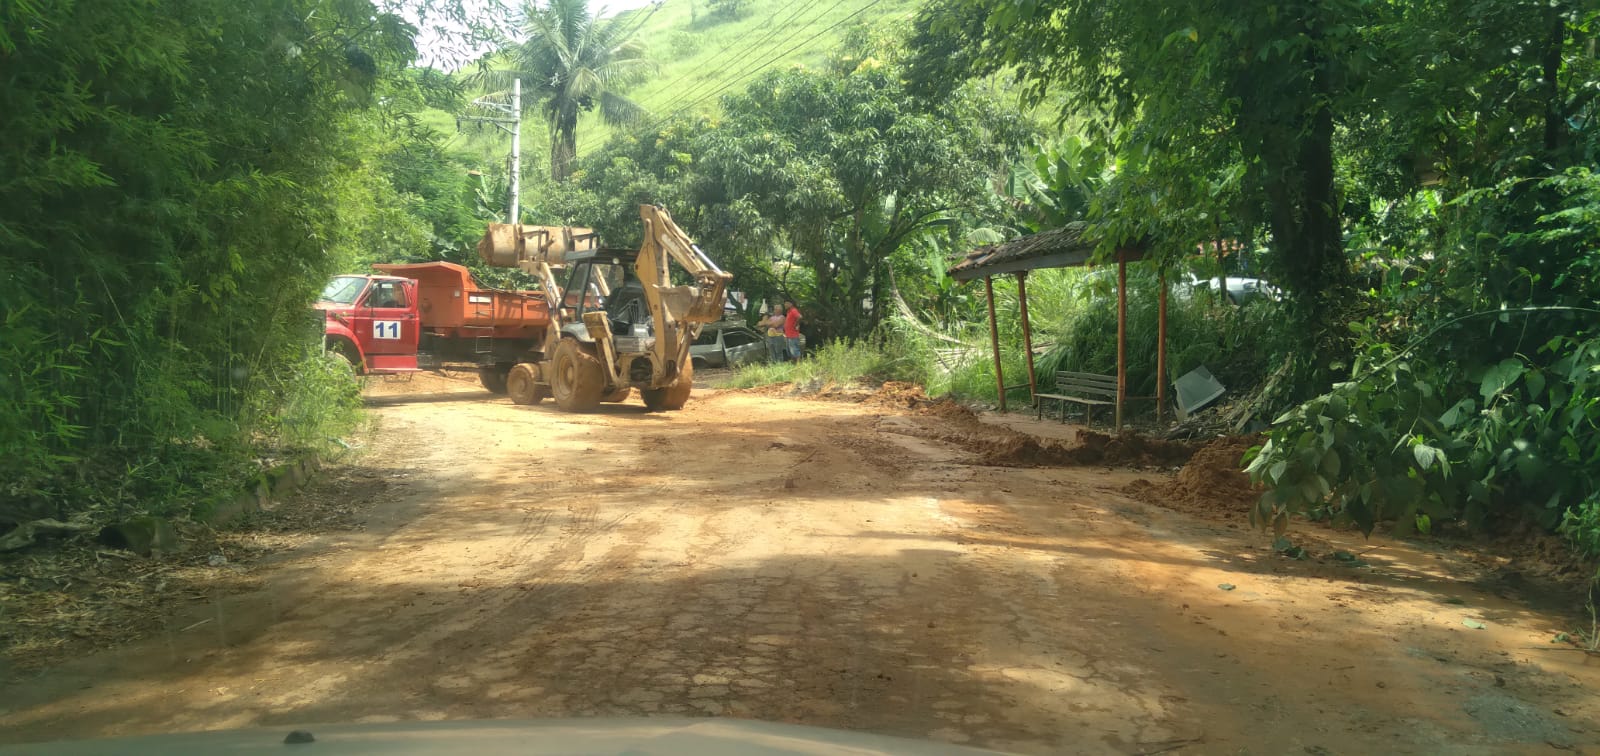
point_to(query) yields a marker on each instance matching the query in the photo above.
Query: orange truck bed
(448, 300)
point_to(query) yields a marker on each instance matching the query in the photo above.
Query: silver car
(728, 345)
(1240, 290)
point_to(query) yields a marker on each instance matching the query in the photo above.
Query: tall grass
(883, 358)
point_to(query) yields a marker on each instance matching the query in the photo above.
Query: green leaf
(1570, 446)
(1425, 455)
(1500, 377)
(1330, 464)
(1337, 406)
(1275, 474)
(1535, 381)
(1457, 413)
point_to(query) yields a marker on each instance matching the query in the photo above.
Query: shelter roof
(1063, 247)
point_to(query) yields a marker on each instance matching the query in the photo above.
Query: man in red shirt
(791, 328)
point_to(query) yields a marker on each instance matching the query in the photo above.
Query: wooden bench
(1083, 388)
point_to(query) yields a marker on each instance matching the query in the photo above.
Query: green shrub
(1581, 526)
(1236, 343)
(1417, 441)
(181, 178)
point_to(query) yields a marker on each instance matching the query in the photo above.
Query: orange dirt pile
(1129, 449)
(771, 389)
(900, 395)
(1213, 481)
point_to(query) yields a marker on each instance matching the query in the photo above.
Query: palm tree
(572, 62)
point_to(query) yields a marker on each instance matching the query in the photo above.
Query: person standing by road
(791, 328)
(773, 322)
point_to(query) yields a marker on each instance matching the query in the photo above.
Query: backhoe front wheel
(672, 397)
(576, 378)
(523, 386)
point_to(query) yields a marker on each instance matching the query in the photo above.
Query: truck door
(386, 322)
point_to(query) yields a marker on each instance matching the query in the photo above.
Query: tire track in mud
(548, 563)
(1033, 631)
(530, 580)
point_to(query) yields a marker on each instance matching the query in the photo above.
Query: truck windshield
(344, 289)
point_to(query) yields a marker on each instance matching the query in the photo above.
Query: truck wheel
(620, 395)
(347, 351)
(523, 386)
(672, 397)
(576, 378)
(493, 377)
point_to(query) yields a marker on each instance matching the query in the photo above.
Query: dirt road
(822, 563)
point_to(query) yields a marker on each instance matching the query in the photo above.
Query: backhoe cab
(617, 320)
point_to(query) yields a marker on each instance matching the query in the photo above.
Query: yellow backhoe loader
(618, 320)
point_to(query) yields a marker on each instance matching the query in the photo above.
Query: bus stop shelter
(1065, 247)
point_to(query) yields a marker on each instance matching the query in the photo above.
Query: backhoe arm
(662, 240)
(679, 311)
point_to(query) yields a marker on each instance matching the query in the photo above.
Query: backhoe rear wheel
(576, 377)
(523, 385)
(493, 377)
(672, 397)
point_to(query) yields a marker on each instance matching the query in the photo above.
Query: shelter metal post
(1161, 349)
(1122, 333)
(994, 342)
(1027, 336)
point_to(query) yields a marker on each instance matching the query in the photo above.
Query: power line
(750, 48)
(763, 66)
(643, 17)
(773, 30)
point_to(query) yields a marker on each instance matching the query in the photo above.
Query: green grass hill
(702, 53)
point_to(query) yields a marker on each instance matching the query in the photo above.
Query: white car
(1240, 290)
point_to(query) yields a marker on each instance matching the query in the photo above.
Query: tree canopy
(179, 179)
(831, 170)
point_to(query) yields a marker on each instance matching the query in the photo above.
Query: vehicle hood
(610, 737)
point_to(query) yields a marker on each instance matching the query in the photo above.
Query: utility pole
(513, 126)
(512, 216)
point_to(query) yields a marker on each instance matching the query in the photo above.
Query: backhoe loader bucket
(507, 245)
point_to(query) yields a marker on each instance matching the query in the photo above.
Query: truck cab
(372, 321)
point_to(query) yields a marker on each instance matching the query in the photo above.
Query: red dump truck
(625, 319)
(426, 316)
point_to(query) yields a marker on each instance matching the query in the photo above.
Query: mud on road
(822, 563)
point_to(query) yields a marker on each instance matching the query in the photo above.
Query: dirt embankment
(1211, 483)
(999, 446)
